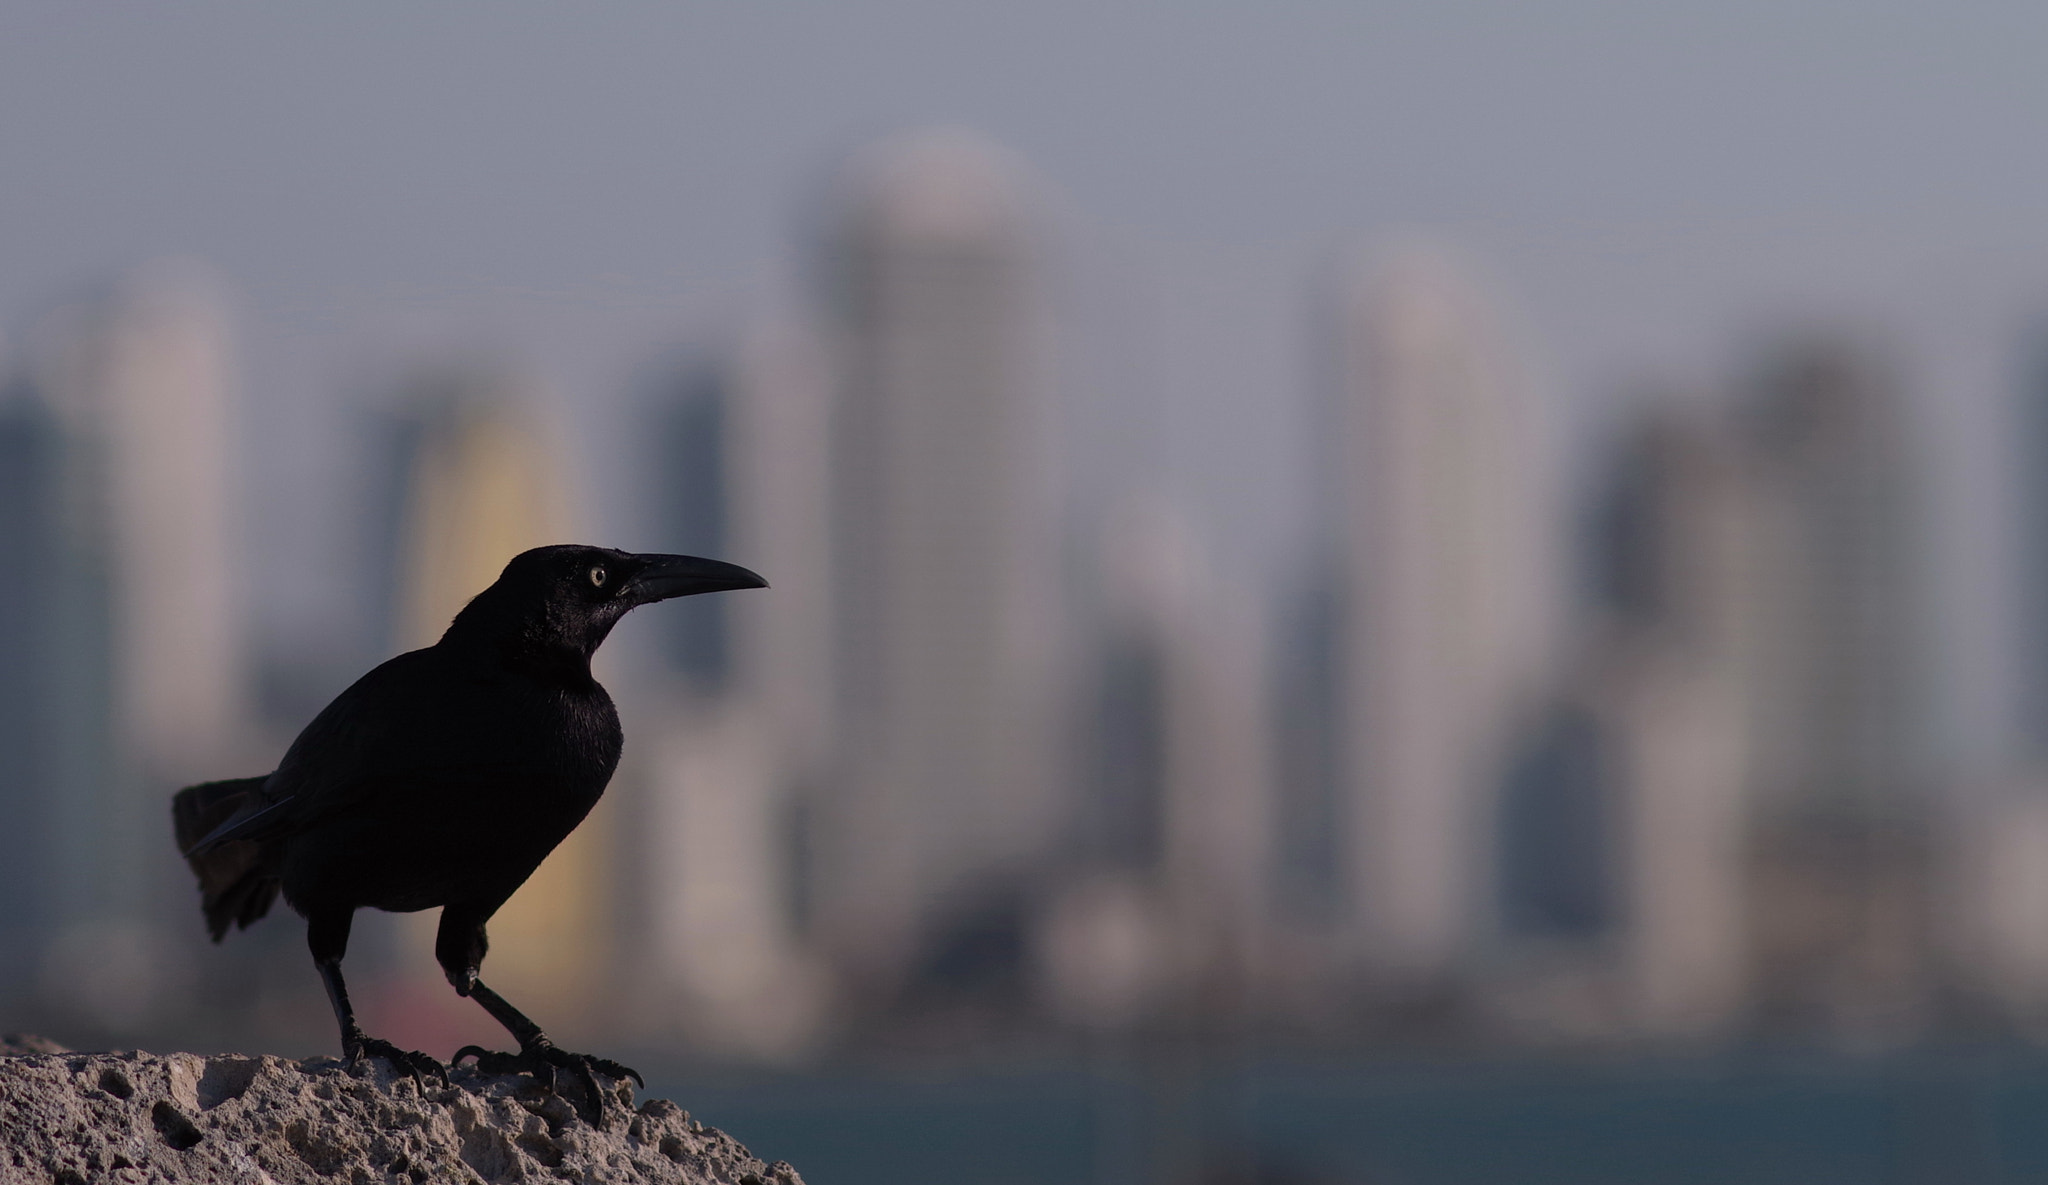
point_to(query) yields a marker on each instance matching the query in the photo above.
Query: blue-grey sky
(1649, 184)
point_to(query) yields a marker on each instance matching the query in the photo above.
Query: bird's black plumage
(442, 778)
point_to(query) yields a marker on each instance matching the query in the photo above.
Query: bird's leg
(327, 936)
(460, 947)
(537, 1055)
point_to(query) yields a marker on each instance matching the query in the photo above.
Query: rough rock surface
(72, 1118)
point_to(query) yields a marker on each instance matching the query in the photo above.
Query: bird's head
(559, 603)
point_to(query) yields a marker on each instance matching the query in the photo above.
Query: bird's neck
(534, 649)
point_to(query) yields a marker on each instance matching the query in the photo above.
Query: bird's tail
(234, 889)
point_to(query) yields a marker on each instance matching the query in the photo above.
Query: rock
(72, 1118)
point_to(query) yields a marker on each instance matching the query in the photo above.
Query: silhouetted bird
(442, 778)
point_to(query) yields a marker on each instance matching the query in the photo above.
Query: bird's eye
(598, 576)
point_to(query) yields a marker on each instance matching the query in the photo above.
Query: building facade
(944, 560)
(1444, 606)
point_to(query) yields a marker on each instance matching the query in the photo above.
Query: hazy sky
(1649, 186)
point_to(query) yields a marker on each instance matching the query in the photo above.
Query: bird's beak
(664, 576)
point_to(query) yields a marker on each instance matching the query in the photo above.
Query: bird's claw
(543, 1060)
(416, 1065)
(492, 1061)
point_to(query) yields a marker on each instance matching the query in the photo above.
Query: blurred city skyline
(1514, 753)
(1647, 191)
(1436, 532)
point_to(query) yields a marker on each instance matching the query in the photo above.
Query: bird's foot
(544, 1060)
(411, 1062)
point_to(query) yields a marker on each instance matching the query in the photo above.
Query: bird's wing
(363, 738)
(416, 727)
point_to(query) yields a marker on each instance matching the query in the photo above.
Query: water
(1954, 1117)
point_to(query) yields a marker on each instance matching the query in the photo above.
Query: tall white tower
(146, 375)
(133, 594)
(1446, 603)
(943, 544)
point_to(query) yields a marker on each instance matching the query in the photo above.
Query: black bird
(442, 778)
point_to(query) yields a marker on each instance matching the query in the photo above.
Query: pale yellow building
(486, 482)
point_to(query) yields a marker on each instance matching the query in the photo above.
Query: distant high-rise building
(1993, 924)
(1170, 883)
(1728, 823)
(478, 483)
(944, 555)
(1444, 608)
(2000, 881)
(1841, 776)
(2029, 461)
(1555, 877)
(1664, 694)
(482, 485)
(127, 673)
(694, 510)
(736, 757)
(146, 378)
(56, 698)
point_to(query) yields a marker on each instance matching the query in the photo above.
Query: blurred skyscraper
(1163, 900)
(2028, 459)
(737, 752)
(1744, 833)
(944, 560)
(1443, 527)
(1659, 808)
(125, 673)
(56, 693)
(1841, 782)
(481, 486)
(694, 508)
(477, 482)
(1999, 879)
